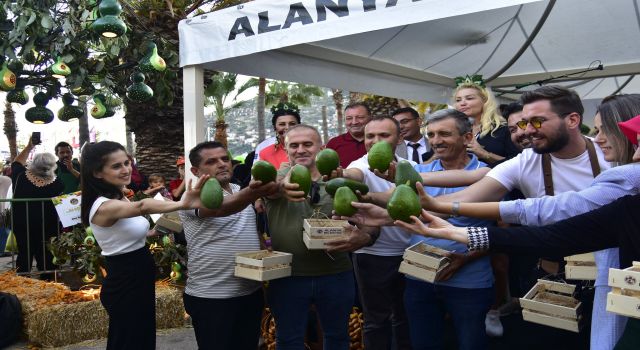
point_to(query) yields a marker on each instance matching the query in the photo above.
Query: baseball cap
(631, 129)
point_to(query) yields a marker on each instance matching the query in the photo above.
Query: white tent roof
(415, 49)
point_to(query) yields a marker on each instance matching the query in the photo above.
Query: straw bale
(54, 316)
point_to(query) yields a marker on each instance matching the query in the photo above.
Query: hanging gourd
(152, 61)
(83, 90)
(40, 114)
(7, 78)
(139, 91)
(60, 69)
(109, 24)
(69, 112)
(100, 109)
(18, 96)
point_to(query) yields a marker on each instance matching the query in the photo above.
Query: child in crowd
(157, 185)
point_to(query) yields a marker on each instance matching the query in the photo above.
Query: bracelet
(478, 238)
(455, 209)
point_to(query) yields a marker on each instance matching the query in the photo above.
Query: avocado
(211, 194)
(300, 175)
(342, 201)
(380, 156)
(406, 173)
(404, 202)
(263, 171)
(327, 161)
(333, 185)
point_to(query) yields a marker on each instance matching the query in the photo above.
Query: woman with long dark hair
(128, 291)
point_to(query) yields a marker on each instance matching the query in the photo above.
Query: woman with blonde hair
(492, 142)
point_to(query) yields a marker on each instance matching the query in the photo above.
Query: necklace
(38, 181)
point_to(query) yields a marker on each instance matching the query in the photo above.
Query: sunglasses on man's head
(536, 122)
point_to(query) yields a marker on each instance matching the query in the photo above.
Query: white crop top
(126, 235)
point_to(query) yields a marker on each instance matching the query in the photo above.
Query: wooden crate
(552, 304)
(263, 265)
(581, 267)
(317, 232)
(624, 298)
(423, 261)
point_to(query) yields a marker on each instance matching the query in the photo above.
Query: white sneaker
(492, 324)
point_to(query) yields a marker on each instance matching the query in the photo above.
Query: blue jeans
(290, 298)
(427, 304)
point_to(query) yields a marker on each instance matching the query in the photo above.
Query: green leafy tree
(37, 32)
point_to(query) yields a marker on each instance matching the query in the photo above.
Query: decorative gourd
(60, 69)
(7, 78)
(109, 25)
(139, 91)
(18, 96)
(152, 61)
(39, 114)
(69, 112)
(100, 109)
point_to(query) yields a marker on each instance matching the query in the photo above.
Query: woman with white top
(128, 291)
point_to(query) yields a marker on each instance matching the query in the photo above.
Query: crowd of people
(483, 167)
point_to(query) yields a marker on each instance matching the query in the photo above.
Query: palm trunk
(262, 133)
(159, 135)
(337, 99)
(10, 129)
(221, 132)
(325, 126)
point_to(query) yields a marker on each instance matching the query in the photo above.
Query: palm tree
(10, 128)
(217, 93)
(282, 91)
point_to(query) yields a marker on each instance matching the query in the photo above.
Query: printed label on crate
(68, 208)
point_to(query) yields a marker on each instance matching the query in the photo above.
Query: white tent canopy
(413, 49)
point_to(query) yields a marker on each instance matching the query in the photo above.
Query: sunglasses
(314, 193)
(536, 122)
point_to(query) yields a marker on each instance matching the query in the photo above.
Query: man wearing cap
(176, 186)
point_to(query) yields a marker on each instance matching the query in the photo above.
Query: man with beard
(350, 145)
(512, 113)
(414, 145)
(68, 169)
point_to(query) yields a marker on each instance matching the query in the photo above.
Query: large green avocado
(404, 202)
(380, 156)
(406, 173)
(263, 171)
(342, 202)
(300, 175)
(327, 161)
(211, 194)
(333, 185)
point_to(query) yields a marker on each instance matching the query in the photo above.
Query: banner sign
(266, 25)
(68, 208)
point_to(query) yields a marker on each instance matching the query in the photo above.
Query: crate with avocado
(424, 261)
(317, 232)
(263, 265)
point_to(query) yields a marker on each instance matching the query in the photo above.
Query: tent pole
(194, 125)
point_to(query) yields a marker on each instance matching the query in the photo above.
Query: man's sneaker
(492, 324)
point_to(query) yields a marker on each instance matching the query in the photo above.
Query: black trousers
(226, 324)
(128, 295)
(32, 245)
(381, 289)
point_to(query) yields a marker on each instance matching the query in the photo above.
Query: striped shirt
(212, 244)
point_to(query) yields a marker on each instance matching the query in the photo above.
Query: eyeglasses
(536, 122)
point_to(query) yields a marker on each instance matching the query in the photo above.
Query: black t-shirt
(37, 210)
(499, 142)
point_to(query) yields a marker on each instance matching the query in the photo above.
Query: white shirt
(125, 236)
(524, 172)
(421, 150)
(212, 244)
(393, 240)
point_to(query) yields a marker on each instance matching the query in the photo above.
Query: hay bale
(55, 316)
